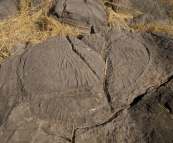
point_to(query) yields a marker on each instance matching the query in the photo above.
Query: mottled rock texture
(7, 8)
(58, 82)
(89, 90)
(83, 13)
(109, 86)
(148, 121)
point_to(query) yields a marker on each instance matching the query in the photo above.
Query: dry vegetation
(32, 24)
(119, 18)
(35, 25)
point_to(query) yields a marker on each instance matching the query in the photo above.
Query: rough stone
(136, 65)
(149, 120)
(7, 8)
(95, 41)
(81, 12)
(108, 86)
(58, 85)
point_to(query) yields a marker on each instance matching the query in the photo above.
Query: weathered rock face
(57, 84)
(81, 12)
(7, 8)
(148, 121)
(89, 90)
(110, 86)
(135, 65)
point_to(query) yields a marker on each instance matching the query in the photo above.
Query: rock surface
(7, 8)
(59, 85)
(148, 121)
(84, 13)
(109, 86)
(58, 91)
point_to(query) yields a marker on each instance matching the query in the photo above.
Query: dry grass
(118, 19)
(154, 27)
(35, 25)
(32, 24)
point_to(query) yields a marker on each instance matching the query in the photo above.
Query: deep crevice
(168, 107)
(80, 37)
(137, 99)
(168, 80)
(92, 31)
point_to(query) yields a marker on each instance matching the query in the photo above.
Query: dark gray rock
(95, 41)
(7, 8)
(149, 120)
(80, 12)
(136, 65)
(111, 86)
(60, 86)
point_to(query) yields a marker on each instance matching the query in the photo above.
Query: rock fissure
(80, 55)
(102, 124)
(64, 7)
(137, 99)
(105, 86)
(140, 97)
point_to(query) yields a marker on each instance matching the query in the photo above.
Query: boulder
(54, 87)
(83, 13)
(108, 86)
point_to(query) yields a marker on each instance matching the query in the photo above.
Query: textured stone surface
(7, 8)
(136, 65)
(148, 121)
(110, 86)
(60, 86)
(81, 12)
(95, 41)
